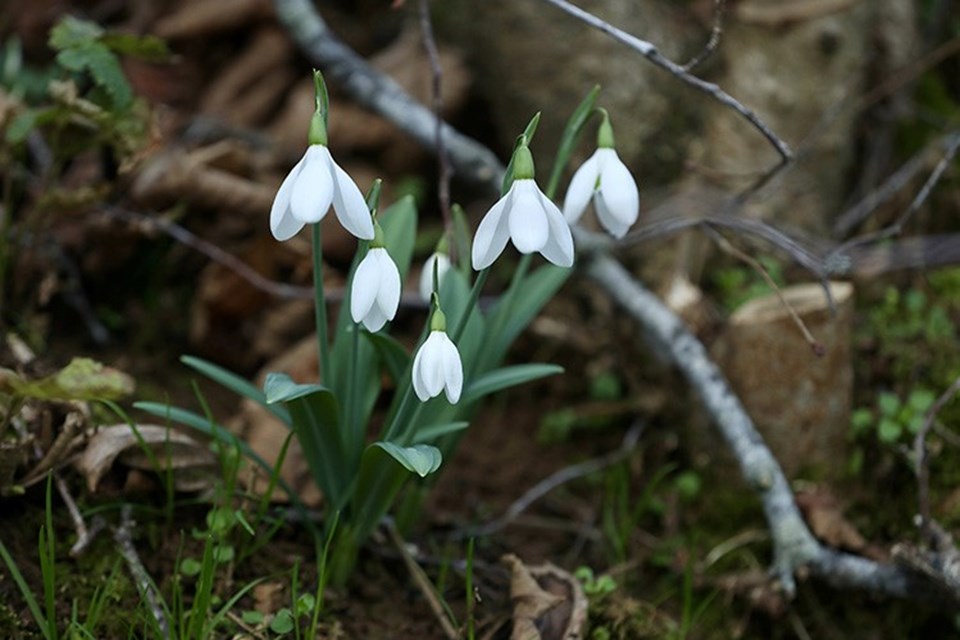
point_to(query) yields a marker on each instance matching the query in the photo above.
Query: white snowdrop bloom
(375, 294)
(607, 181)
(437, 367)
(442, 262)
(527, 217)
(312, 186)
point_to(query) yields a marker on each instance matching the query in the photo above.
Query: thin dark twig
(651, 53)
(921, 466)
(728, 247)
(953, 145)
(154, 223)
(719, 9)
(558, 478)
(443, 186)
(892, 186)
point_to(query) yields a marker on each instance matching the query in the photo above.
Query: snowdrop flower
(527, 217)
(441, 260)
(437, 366)
(605, 179)
(375, 293)
(315, 183)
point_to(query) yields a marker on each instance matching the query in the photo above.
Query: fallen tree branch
(795, 547)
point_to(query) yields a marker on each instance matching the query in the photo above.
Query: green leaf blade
(507, 377)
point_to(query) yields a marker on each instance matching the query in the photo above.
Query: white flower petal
(559, 246)
(283, 225)
(418, 386)
(388, 296)
(619, 192)
(375, 319)
(492, 235)
(452, 371)
(426, 274)
(312, 191)
(529, 229)
(431, 366)
(350, 205)
(366, 284)
(581, 189)
(612, 223)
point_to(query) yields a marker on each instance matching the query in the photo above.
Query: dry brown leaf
(828, 523)
(194, 463)
(548, 602)
(268, 597)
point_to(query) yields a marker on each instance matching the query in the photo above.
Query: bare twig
(651, 53)
(558, 478)
(426, 587)
(153, 223)
(754, 264)
(859, 212)
(953, 146)
(123, 536)
(719, 9)
(472, 160)
(921, 465)
(443, 184)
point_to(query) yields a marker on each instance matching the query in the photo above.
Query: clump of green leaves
(85, 88)
(893, 420)
(739, 284)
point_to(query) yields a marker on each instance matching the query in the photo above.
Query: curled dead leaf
(548, 602)
(194, 463)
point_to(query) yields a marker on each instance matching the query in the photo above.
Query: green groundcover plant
(458, 359)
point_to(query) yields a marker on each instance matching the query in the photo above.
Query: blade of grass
(25, 591)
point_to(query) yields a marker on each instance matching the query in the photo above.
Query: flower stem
(471, 303)
(320, 305)
(352, 422)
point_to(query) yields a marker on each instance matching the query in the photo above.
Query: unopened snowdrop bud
(438, 261)
(607, 181)
(527, 217)
(375, 294)
(437, 366)
(316, 183)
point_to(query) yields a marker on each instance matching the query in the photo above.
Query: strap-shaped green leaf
(384, 468)
(279, 387)
(570, 136)
(314, 414)
(391, 352)
(434, 431)
(532, 294)
(233, 382)
(206, 426)
(507, 377)
(421, 459)
(399, 224)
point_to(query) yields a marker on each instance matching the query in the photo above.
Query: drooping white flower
(442, 262)
(314, 184)
(527, 217)
(607, 181)
(437, 366)
(375, 294)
